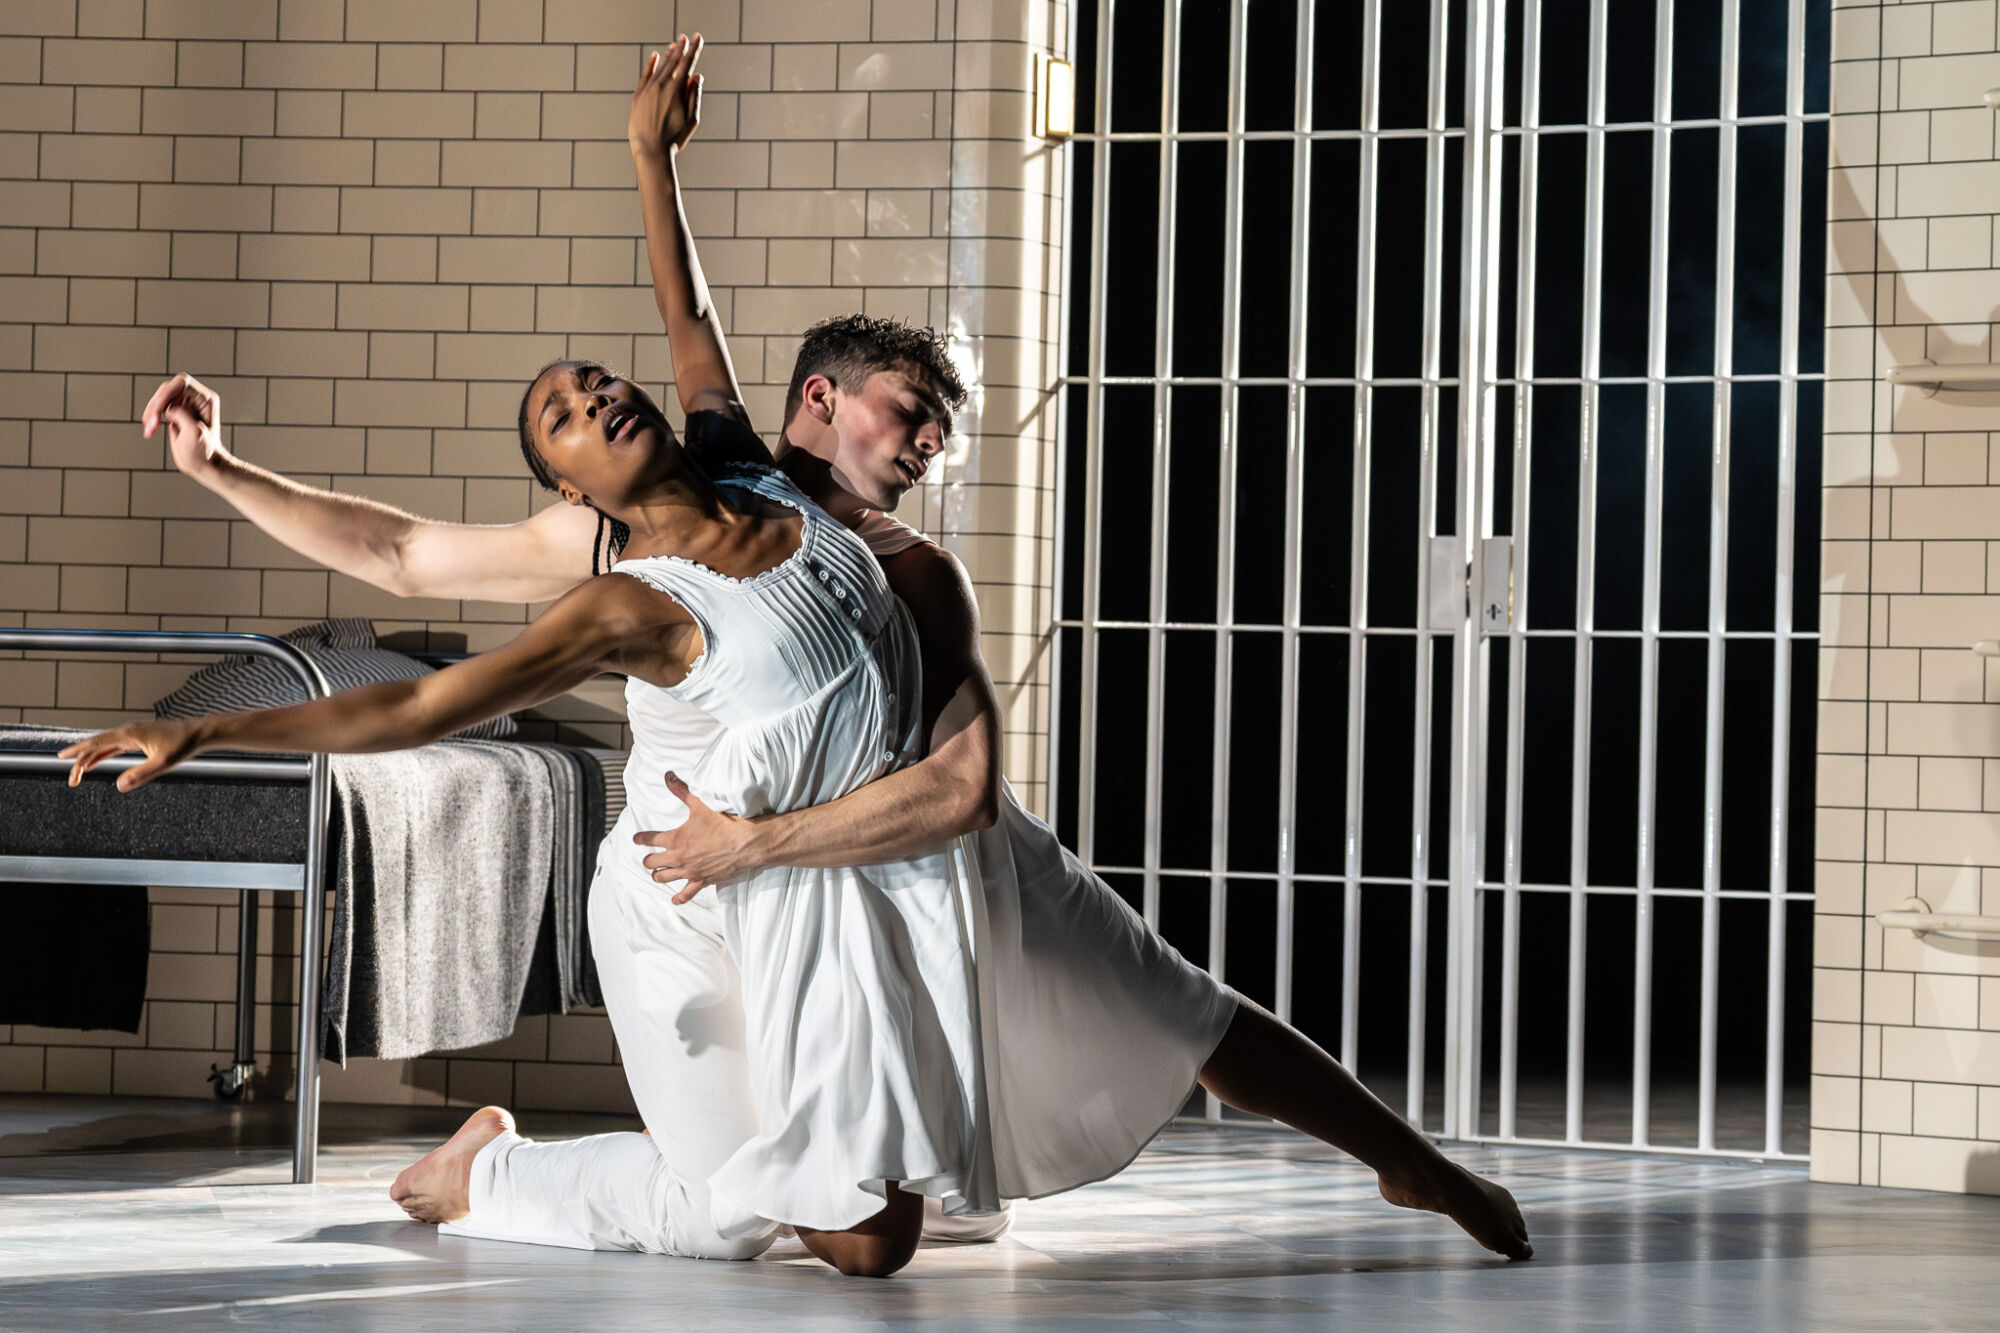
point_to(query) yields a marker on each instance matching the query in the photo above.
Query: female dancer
(740, 598)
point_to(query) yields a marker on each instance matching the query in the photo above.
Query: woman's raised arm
(666, 108)
(534, 560)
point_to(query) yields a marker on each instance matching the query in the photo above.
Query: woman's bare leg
(1269, 1068)
(877, 1247)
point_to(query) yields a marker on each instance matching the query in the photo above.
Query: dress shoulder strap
(679, 579)
(763, 480)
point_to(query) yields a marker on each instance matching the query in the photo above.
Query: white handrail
(1916, 917)
(1929, 376)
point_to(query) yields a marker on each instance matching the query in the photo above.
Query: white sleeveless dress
(988, 1021)
(858, 983)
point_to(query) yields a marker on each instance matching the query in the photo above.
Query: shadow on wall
(1911, 315)
(1904, 332)
(1892, 303)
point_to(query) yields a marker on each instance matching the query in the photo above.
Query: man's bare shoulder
(933, 584)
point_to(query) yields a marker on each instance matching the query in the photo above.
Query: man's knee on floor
(871, 1256)
(878, 1246)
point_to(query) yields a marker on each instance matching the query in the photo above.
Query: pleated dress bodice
(809, 672)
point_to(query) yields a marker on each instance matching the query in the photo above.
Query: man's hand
(193, 414)
(712, 847)
(165, 744)
(666, 106)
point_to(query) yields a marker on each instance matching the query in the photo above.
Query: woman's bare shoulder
(613, 607)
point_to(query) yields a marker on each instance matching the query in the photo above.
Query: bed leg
(231, 1082)
(312, 906)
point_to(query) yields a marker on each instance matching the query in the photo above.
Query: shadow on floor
(81, 1143)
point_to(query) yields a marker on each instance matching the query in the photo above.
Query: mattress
(182, 819)
(185, 818)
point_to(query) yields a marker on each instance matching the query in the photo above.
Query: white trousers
(676, 1008)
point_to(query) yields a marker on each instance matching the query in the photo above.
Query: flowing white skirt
(984, 1024)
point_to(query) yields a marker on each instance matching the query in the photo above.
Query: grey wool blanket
(444, 855)
(563, 974)
(599, 779)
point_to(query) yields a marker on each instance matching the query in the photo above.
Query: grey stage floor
(118, 1214)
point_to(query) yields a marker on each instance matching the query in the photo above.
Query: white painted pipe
(1929, 376)
(1916, 917)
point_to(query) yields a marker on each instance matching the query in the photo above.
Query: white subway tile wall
(1906, 1032)
(366, 224)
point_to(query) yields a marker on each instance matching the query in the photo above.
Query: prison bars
(1427, 465)
(1295, 445)
(1718, 576)
(1528, 182)
(1165, 243)
(1086, 768)
(1357, 591)
(1466, 870)
(1586, 585)
(1781, 653)
(1225, 513)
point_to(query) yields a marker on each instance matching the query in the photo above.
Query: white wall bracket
(1916, 916)
(1927, 377)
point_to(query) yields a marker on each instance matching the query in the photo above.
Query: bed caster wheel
(229, 1083)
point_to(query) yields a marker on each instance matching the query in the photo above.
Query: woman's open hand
(193, 415)
(164, 743)
(666, 106)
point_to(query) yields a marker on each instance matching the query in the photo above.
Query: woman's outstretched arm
(666, 108)
(609, 623)
(534, 560)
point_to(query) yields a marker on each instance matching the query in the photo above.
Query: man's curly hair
(849, 348)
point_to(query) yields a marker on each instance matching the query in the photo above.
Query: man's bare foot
(437, 1187)
(1487, 1212)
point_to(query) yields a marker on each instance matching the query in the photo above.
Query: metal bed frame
(307, 879)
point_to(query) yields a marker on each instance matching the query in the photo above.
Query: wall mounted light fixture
(1054, 112)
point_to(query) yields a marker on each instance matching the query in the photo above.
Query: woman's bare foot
(1487, 1212)
(437, 1187)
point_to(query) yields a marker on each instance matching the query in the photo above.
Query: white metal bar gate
(1569, 411)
